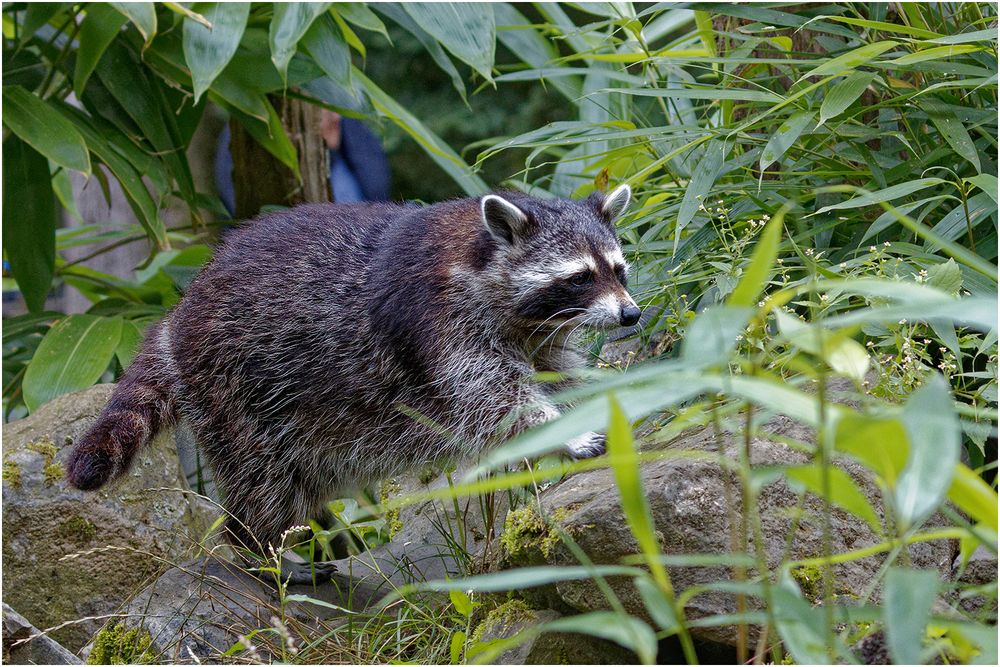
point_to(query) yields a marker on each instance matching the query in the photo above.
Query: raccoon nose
(630, 315)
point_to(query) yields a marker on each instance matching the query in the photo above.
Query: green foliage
(115, 645)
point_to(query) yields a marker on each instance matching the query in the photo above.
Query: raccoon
(330, 346)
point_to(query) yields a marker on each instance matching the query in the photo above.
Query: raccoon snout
(630, 314)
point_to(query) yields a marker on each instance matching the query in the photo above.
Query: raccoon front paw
(587, 446)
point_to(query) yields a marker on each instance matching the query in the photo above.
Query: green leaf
(620, 628)
(712, 336)
(906, 608)
(952, 129)
(326, 45)
(701, 183)
(625, 465)
(142, 203)
(935, 438)
(934, 53)
(207, 51)
(880, 443)
(801, 626)
(659, 608)
(38, 14)
(290, 22)
(358, 14)
(100, 26)
(466, 29)
(45, 129)
(844, 492)
(787, 134)
(974, 496)
(29, 228)
(525, 577)
(946, 276)
(396, 12)
(850, 60)
(843, 95)
(72, 356)
(143, 17)
(702, 93)
(987, 183)
(128, 345)
(884, 195)
(137, 91)
(765, 253)
(461, 601)
(457, 643)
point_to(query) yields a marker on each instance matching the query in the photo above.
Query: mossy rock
(104, 533)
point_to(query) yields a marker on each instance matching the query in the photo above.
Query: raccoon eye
(622, 276)
(581, 279)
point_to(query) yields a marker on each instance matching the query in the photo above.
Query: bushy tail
(140, 406)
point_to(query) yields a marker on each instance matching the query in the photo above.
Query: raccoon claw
(587, 446)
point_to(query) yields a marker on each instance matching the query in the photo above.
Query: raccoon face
(562, 261)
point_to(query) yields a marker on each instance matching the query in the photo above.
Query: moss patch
(115, 645)
(392, 521)
(45, 447)
(810, 581)
(504, 616)
(52, 471)
(12, 473)
(525, 530)
(77, 529)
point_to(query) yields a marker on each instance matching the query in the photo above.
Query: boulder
(23, 644)
(73, 557)
(199, 610)
(689, 497)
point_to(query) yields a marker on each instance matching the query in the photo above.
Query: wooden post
(260, 179)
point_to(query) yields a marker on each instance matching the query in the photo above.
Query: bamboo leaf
(467, 30)
(207, 51)
(143, 17)
(701, 183)
(952, 129)
(290, 22)
(851, 60)
(42, 127)
(786, 136)
(99, 27)
(29, 228)
(843, 95)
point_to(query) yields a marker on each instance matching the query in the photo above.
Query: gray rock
(547, 648)
(121, 535)
(23, 644)
(689, 498)
(979, 573)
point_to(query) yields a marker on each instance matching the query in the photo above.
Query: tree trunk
(260, 179)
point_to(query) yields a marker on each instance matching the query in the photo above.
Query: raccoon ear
(616, 202)
(505, 221)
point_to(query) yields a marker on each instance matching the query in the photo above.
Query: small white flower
(809, 252)
(886, 244)
(872, 249)
(843, 265)
(903, 321)
(824, 297)
(766, 217)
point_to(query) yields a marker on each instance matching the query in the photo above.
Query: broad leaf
(29, 221)
(72, 356)
(850, 60)
(908, 597)
(44, 129)
(935, 439)
(620, 628)
(290, 22)
(843, 95)
(787, 134)
(100, 26)
(952, 129)
(207, 51)
(143, 17)
(466, 29)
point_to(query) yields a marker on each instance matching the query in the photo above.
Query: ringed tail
(142, 404)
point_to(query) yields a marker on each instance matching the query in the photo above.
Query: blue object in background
(359, 171)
